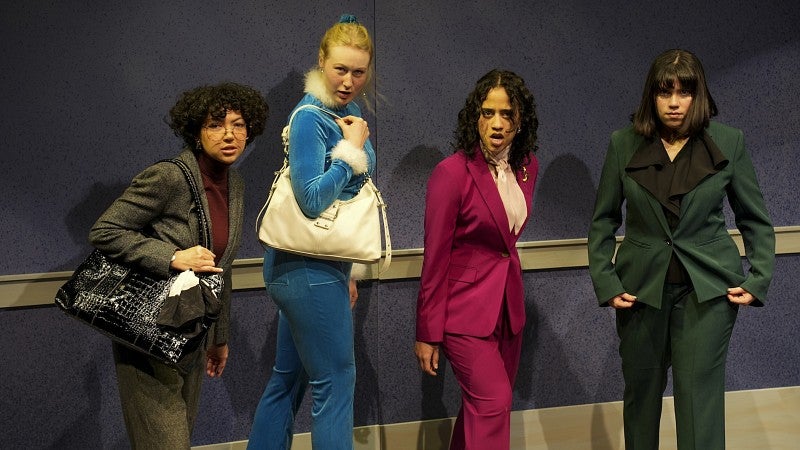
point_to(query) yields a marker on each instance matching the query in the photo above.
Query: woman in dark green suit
(677, 280)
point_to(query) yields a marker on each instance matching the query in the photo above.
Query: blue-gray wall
(85, 87)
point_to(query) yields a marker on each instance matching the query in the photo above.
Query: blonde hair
(350, 34)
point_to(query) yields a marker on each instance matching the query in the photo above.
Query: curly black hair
(466, 134)
(194, 106)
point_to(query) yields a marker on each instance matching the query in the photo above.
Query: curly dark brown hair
(194, 106)
(466, 134)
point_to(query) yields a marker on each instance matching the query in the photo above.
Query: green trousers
(159, 403)
(693, 339)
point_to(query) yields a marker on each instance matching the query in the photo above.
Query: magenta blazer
(470, 262)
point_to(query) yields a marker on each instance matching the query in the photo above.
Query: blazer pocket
(713, 240)
(463, 274)
(636, 243)
(723, 252)
(633, 262)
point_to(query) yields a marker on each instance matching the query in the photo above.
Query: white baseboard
(755, 420)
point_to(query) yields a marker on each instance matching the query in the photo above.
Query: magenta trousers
(485, 368)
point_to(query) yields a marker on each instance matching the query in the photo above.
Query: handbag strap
(285, 140)
(285, 132)
(285, 167)
(387, 259)
(202, 218)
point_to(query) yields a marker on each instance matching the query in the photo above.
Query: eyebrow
(507, 111)
(343, 65)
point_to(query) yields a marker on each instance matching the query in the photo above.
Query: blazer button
(504, 254)
(668, 242)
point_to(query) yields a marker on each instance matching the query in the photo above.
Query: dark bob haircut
(681, 65)
(194, 106)
(466, 134)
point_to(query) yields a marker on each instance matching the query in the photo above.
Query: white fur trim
(359, 271)
(316, 86)
(355, 157)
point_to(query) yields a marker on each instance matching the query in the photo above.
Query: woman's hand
(216, 358)
(428, 356)
(622, 301)
(197, 258)
(353, 293)
(739, 296)
(354, 130)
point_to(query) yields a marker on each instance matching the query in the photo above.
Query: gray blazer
(155, 216)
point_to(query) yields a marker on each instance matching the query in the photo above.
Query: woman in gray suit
(153, 225)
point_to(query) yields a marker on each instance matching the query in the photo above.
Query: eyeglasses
(217, 131)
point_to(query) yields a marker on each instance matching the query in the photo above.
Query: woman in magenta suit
(471, 302)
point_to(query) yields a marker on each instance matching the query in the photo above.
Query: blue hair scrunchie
(348, 18)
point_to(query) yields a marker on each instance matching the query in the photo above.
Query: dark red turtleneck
(215, 183)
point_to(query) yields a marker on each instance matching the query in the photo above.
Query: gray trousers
(159, 403)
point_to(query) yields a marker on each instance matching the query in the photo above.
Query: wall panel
(86, 86)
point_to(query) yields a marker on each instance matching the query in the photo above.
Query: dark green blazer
(701, 240)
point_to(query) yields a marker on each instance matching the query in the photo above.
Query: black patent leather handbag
(135, 308)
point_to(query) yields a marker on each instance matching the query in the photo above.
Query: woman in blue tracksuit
(330, 157)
